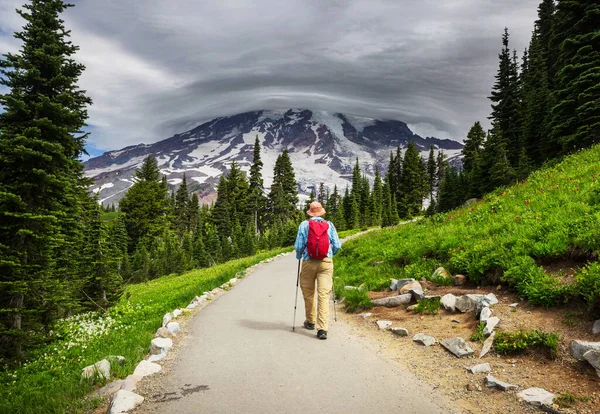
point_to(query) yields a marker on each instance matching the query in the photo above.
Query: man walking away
(316, 243)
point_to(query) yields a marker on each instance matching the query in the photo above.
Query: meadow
(540, 237)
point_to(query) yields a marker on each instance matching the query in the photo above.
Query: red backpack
(318, 239)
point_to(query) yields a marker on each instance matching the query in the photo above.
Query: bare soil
(529, 369)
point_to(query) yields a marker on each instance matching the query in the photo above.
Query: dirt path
(239, 354)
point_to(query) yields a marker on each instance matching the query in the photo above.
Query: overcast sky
(157, 67)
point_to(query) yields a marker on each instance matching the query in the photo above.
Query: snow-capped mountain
(323, 147)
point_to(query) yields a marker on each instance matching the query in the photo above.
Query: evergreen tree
(193, 212)
(222, 211)
(473, 146)
(41, 207)
(322, 196)
(377, 197)
(201, 257)
(576, 115)
(413, 183)
(213, 245)
(310, 199)
(283, 197)
(256, 198)
(182, 222)
(144, 205)
(431, 170)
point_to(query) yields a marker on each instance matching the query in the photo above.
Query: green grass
(515, 342)
(50, 383)
(567, 400)
(553, 215)
(428, 306)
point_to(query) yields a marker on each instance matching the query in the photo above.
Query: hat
(316, 209)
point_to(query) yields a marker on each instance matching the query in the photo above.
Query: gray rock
(130, 383)
(166, 319)
(157, 357)
(365, 315)
(407, 287)
(393, 301)
(160, 345)
(99, 369)
(487, 345)
(192, 305)
(116, 359)
(485, 314)
(384, 324)
(537, 396)
(596, 327)
(467, 303)
(411, 308)
(424, 339)
(486, 301)
(490, 325)
(579, 348)
(173, 327)
(402, 282)
(124, 401)
(176, 313)
(449, 302)
(394, 284)
(513, 305)
(417, 294)
(145, 368)
(163, 332)
(108, 389)
(233, 281)
(460, 280)
(458, 347)
(492, 382)
(350, 288)
(480, 368)
(399, 331)
(440, 272)
(593, 357)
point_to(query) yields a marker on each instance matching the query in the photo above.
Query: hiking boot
(322, 334)
(309, 326)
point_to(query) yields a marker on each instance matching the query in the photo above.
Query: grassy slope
(553, 215)
(51, 383)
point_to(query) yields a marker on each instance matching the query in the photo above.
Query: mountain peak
(323, 147)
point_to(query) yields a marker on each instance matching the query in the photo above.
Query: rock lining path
(241, 356)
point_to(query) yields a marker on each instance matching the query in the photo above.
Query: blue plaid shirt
(302, 239)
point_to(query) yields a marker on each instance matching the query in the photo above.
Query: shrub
(587, 285)
(514, 342)
(428, 306)
(478, 336)
(356, 300)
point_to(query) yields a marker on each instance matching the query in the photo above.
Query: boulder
(124, 401)
(233, 281)
(108, 389)
(384, 324)
(537, 396)
(490, 325)
(399, 331)
(173, 327)
(365, 315)
(467, 303)
(393, 301)
(480, 368)
(492, 382)
(417, 294)
(158, 357)
(441, 273)
(166, 319)
(593, 357)
(99, 369)
(163, 332)
(394, 284)
(460, 280)
(486, 301)
(449, 302)
(160, 345)
(458, 347)
(192, 305)
(145, 368)
(424, 339)
(579, 348)
(403, 282)
(130, 383)
(596, 328)
(407, 287)
(485, 314)
(487, 345)
(176, 313)
(116, 359)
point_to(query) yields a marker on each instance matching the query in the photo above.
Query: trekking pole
(296, 301)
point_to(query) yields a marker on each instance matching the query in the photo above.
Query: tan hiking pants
(320, 271)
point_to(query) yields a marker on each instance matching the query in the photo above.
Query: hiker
(316, 243)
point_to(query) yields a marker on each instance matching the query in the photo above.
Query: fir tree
(182, 223)
(222, 211)
(283, 197)
(41, 207)
(431, 170)
(473, 146)
(413, 183)
(377, 197)
(256, 198)
(193, 212)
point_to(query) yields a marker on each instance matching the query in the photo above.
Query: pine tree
(213, 245)
(377, 197)
(322, 196)
(222, 211)
(41, 207)
(145, 205)
(182, 223)
(283, 197)
(431, 170)
(256, 199)
(310, 199)
(473, 146)
(413, 183)
(201, 257)
(576, 115)
(193, 212)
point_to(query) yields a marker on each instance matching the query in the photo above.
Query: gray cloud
(159, 67)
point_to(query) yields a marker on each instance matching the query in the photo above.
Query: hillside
(541, 237)
(323, 147)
